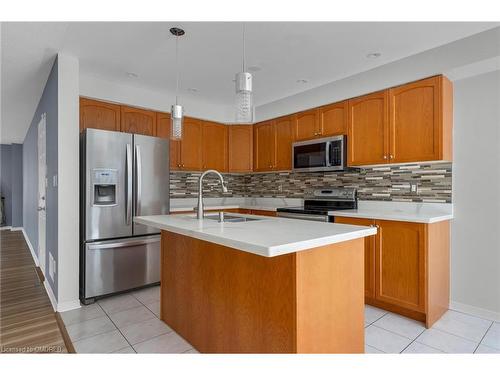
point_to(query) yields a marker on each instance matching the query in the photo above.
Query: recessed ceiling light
(302, 81)
(192, 89)
(374, 55)
(132, 75)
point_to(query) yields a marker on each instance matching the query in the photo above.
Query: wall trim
(15, 229)
(70, 305)
(51, 295)
(32, 251)
(5, 228)
(476, 311)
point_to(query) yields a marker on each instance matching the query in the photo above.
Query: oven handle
(288, 215)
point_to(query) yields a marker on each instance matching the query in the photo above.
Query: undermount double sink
(230, 218)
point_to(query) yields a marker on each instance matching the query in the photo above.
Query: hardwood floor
(27, 321)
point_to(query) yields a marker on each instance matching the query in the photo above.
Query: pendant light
(177, 112)
(244, 95)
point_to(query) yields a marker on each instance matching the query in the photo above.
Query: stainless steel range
(320, 203)
(122, 175)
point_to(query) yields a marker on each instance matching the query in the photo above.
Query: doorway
(42, 188)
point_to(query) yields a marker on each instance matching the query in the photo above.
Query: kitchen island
(270, 285)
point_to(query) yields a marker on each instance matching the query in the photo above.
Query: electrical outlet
(280, 188)
(414, 187)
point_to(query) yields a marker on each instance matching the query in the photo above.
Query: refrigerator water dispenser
(104, 182)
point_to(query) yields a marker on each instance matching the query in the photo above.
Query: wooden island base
(223, 300)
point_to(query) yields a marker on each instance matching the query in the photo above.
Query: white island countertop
(267, 237)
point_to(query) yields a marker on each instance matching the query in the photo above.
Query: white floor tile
(154, 307)
(89, 328)
(446, 342)
(463, 325)
(139, 332)
(119, 303)
(384, 340)
(104, 343)
(483, 349)
(371, 350)
(167, 343)
(372, 314)
(83, 313)
(127, 350)
(148, 295)
(492, 338)
(416, 347)
(402, 326)
(131, 316)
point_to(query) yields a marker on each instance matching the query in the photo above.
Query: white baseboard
(51, 295)
(15, 229)
(476, 311)
(5, 228)
(70, 305)
(30, 246)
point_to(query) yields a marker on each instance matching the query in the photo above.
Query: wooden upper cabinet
(333, 119)
(284, 138)
(214, 146)
(99, 115)
(419, 128)
(370, 242)
(307, 125)
(400, 274)
(264, 146)
(163, 131)
(368, 129)
(191, 145)
(240, 144)
(138, 121)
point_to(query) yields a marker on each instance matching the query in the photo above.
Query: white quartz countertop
(398, 211)
(267, 237)
(225, 207)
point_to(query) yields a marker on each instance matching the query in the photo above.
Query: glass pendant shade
(244, 98)
(176, 120)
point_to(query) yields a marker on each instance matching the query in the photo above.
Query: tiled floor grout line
(85, 321)
(482, 338)
(118, 329)
(449, 333)
(415, 339)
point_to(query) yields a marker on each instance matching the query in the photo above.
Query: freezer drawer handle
(102, 246)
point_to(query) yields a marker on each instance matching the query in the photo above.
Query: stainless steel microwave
(325, 154)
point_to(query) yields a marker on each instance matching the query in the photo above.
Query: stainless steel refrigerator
(122, 175)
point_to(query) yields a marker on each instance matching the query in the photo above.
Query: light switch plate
(414, 187)
(54, 180)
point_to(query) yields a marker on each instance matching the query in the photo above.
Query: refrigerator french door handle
(138, 180)
(128, 178)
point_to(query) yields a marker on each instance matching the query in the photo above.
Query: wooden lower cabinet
(407, 267)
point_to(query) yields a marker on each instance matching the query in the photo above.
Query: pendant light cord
(177, 69)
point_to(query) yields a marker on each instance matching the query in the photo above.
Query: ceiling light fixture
(374, 55)
(302, 81)
(177, 112)
(192, 89)
(244, 95)
(131, 75)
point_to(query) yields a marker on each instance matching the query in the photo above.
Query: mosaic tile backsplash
(389, 183)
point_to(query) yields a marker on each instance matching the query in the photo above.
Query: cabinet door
(367, 131)
(138, 121)
(369, 252)
(415, 121)
(163, 131)
(191, 145)
(99, 115)
(307, 125)
(333, 119)
(214, 146)
(240, 139)
(284, 138)
(400, 264)
(264, 142)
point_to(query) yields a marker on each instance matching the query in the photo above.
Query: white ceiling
(210, 55)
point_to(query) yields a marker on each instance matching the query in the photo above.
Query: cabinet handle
(392, 156)
(385, 156)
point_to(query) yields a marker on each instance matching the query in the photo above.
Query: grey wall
(475, 255)
(6, 180)
(47, 105)
(17, 185)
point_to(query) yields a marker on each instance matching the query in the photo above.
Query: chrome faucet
(200, 190)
